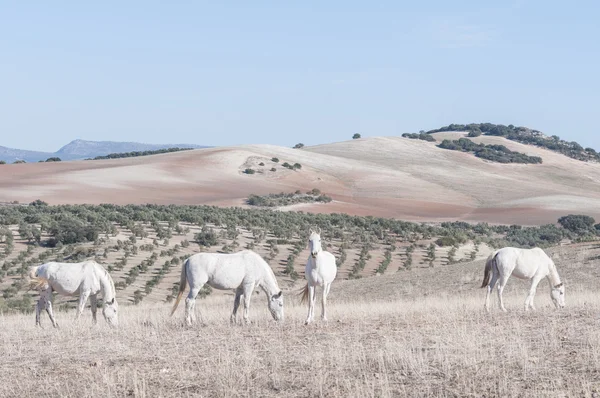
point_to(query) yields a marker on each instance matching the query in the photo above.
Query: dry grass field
(409, 333)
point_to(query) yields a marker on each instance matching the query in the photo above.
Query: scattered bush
(286, 199)
(495, 153)
(356, 136)
(207, 237)
(420, 136)
(525, 135)
(139, 153)
(578, 224)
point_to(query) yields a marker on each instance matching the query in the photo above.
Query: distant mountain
(9, 155)
(81, 149)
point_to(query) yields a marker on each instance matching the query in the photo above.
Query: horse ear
(310, 231)
(319, 230)
(278, 295)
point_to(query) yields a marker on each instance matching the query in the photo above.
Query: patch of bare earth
(380, 176)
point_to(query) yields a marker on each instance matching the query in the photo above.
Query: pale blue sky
(286, 72)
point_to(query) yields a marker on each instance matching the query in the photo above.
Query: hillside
(381, 176)
(81, 149)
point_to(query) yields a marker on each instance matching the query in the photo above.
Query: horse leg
(326, 288)
(94, 304)
(247, 289)
(501, 285)
(489, 291)
(311, 304)
(38, 308)
(190, 305)
(49, 310)
(529, 300)
(196, 280)
(236, 304)
(83, 297)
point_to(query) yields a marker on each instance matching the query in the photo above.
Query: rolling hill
(380, 176)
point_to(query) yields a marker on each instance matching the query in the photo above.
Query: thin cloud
(461, 36)
(458, 34)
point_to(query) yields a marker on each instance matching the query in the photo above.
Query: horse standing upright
(240, 271)
(320, 271)
(532, 264)
(85, 279)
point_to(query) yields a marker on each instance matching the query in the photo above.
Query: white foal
(240, 271)
(532, 264)
(320, 271)
(85, 279)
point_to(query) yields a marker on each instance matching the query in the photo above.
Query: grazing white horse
(533, 264)
(320, 271)
(85, 279)
(240, 271)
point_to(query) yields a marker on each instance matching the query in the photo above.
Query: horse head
(276, 306)
(110, 312)
(558, 295)
(314, 242)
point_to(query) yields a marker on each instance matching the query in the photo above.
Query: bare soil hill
(380, 176)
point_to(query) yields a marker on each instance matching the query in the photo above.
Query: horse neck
(106, 284)
(553, 274)
(313, 260)
(268, 282)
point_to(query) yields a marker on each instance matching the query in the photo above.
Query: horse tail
(489, 264)
(304, 294)
(182, 282)
(33, 272)
(37, 282)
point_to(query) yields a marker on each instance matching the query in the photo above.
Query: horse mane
(108, 286)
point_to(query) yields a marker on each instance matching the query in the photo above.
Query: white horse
(320, 271)
(533, 264)
(241, 271)
(85, 279)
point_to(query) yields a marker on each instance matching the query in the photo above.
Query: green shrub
(495, 153)
(525, 135)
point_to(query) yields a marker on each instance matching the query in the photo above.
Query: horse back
(523, 263)
(223, 271)
(69, 278)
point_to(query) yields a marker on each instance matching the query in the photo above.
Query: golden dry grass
(436, 346)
